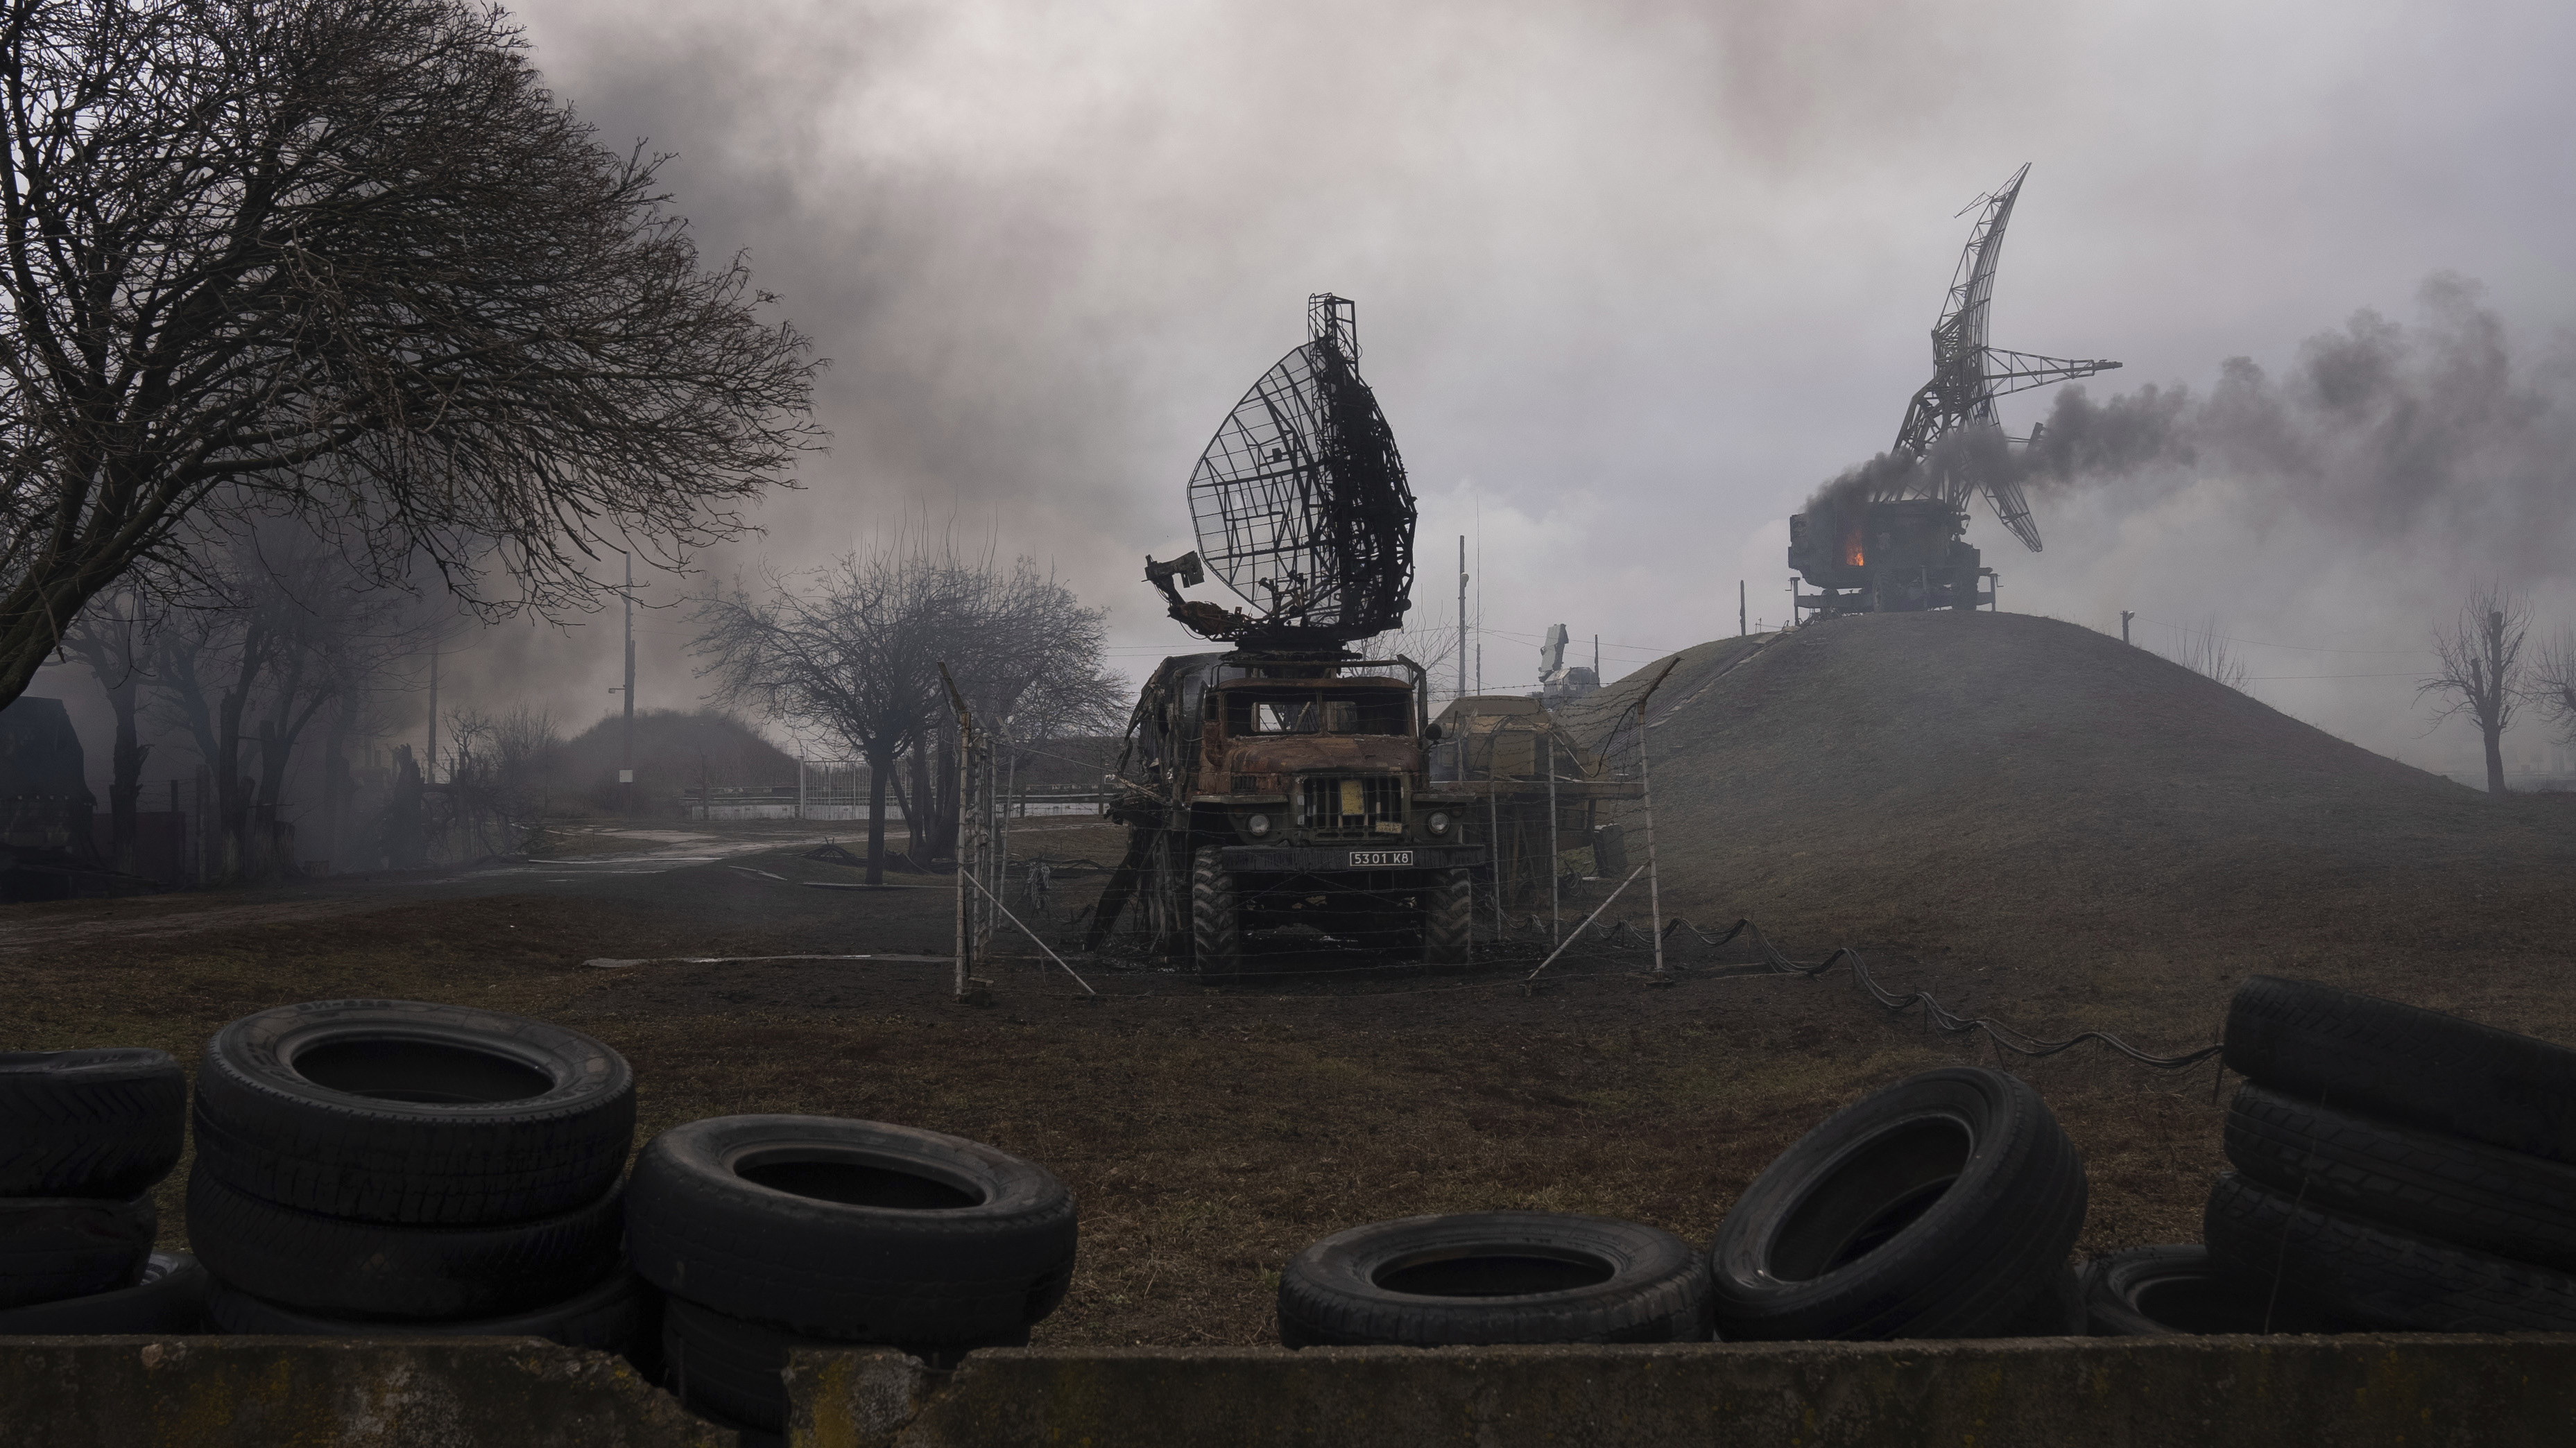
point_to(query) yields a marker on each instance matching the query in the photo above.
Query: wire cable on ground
(1937, 1015)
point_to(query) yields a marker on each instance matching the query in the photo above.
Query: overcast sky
(1632, 280)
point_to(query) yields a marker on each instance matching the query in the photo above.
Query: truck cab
(1288, 790)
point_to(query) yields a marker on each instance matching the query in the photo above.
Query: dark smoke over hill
(2380, 432)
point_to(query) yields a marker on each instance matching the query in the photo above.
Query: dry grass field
(2034, 822)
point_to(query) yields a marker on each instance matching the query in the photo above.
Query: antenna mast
(1967, 377)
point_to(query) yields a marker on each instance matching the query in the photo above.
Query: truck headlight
(1437, 823)
(1257, 826)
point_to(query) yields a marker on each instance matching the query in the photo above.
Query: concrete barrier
(2259, 1392)
(2275, 1392)
(308, 1392)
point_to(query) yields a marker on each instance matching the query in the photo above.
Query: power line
(2260, 644)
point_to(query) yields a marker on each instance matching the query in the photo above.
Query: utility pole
(1596, 661)
(1462, 615)
(429, 767)
(2125, 616)
(1740, 629)
(626, 756)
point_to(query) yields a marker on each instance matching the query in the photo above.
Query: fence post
(965, 778)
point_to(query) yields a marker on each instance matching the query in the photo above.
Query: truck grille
(1351, 808)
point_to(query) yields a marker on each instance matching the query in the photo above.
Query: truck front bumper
(1336, 859)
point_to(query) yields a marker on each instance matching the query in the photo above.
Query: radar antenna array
(1967, 377)
(1300, 503)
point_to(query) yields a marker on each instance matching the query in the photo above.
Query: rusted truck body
(1533, 793)
(1263, 791)
(1902, 556)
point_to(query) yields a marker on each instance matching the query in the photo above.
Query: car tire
(850, 1229)
(2378, 1278)
(2505, 1202)
(734, 1367)
(1939, 1207)
(1475, 1278)
(1216, 923)
(2180, 1290)
(342, 1268)
(620, 1313)
(413, 1112)
(1448, 920)
(52, 1248)
(169, 1298)
(97, 1123)
(2405, 1064)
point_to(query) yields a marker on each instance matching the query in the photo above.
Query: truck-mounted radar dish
(1300, 504)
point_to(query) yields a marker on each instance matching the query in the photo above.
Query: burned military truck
(1263, 791)
(1285, 782)
(1893, 557)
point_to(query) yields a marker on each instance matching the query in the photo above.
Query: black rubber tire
(1494, 1277)
(1216, 923)
(1449, 920)
(98, 1123)
(620, 1313)
(2179, 1291)
(57, 1247)
(935, 1239)
(170, 1297)
(2505, 1202)
(2377, 1278)
(490, 1154)
(2058, 1310)
(2405, 1064)
(1938, 1207)
(397, 1271)
(732, 1367)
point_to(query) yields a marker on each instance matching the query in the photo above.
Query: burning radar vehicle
(1284, 782)
(1893, 536)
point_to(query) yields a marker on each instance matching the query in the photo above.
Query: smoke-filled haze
(1634, 279)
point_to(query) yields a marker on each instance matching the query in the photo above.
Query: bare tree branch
(348, 262)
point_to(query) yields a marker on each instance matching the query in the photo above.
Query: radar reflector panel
(1300, 503)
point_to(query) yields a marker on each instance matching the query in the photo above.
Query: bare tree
(2204, 651)
(497, 776)
(2482, 671)
(278, 629)
(852, 651)
(348, 261)
(115, 644)
(2552, 687)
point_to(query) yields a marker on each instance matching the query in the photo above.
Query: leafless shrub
(2205, 651)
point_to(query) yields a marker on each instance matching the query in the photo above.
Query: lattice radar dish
(1300, 503)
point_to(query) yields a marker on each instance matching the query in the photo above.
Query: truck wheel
(1216, 926)
(1448, 919)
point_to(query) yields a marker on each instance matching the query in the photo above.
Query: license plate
(1363, 858)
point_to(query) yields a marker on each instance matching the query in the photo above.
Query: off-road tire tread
(1216, 922)
(2377, 1277)
(1449, 920)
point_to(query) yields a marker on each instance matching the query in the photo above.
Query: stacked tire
(1482, 1278)
(84, 1136)
(398, 1167)
(770, 1233)
(2396, 1169)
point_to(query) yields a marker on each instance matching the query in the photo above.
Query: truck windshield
(1306, 711)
